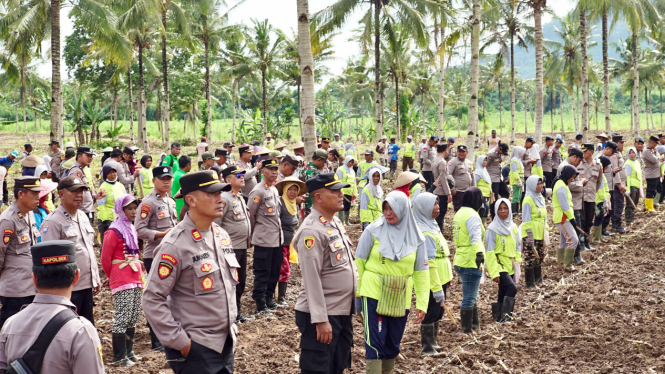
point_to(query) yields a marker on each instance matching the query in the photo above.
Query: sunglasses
(240, 175)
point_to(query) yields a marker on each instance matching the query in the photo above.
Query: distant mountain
(525, 61)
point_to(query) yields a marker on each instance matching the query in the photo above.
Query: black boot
(466, 317)
(154, 342)
(507, 308)
(605, 233)
(618, 228)
(434, 336)
(582, 240)
(427, 339)
(120, 350)
(130, 345)
(538, 275)
(529, 278)
(588, 246)
(578, 258)
(475, 322)
(261, 307)
(240, 318)
(281, 293)
(496, 312)
(270, 303)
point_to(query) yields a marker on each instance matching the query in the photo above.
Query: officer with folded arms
(189, 299)
(75, 347)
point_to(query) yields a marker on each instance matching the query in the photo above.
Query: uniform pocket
(270, 209)
(207, 277)
(338, 255)
(232, 261)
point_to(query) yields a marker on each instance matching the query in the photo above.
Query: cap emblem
(77, 181)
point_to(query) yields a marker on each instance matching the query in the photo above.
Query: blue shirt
(392, 151)
(5, 161)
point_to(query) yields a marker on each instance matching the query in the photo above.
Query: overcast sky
(282, 14)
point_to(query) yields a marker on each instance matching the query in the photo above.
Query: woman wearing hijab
(537, 168)
(515, 176)
(564, 218)
(391, 260)
(106, 205)
(484, 183)
(145, 174)
(370, 198)
(45, 206)
(602, 202)
(633, 183)
(346, 175)
(468, 232)
(350, 150)
(41, 172)
(503, 243)
(425, 210)
(120, 261)
(289, 189)
(534, 224)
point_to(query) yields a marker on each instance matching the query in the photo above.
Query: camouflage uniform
(308, 172)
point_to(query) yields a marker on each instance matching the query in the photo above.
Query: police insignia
(206, 283)
(160, 215)
(309, 242)
(269, 210)
(329, 232)
(238, 216)
(169, 258)
(226, 242)
(145, 209)
(164, 270)
(338, 256)
(323, 219)
(234, 202)
(206, 267)
(217, 232)
(7, 236)
(236, 274)
(25, 238)
(196, 235)
(44, 228)
(256, 199)
(337, 245)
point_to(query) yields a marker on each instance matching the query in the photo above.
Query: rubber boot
(388, 366)
(435, 335)
(373, 366)
(475, 321)
(529, 278)
(569, 255)
(514, 208)
(270, 302)
(281, 293)
(154, 342)
(596, 234)
(340, 214)
(496, 312)
(606, 233)
(507, 308)
(560, 255)
(538, 275)
(656, 200)
(346, 217)
(426, 339)
(120, 350)
(261, 307)
(648, 204)
(582, 240)
(588, 246)
(618, 228)
(130, 345)
(466, 317)
(578, 257)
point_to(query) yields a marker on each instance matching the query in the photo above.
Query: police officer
(67, 222)
(499, 187)
(264, 210)
(57, 156)
(619, 192)
(244, 164)
(83, 159)
(220, 160)
(235, 220)
(429, 153)
(325, 304)
(157, 216)
(19, 232)
(125, 177)
(76, 347)
(190, 299)
(460, 169)
(590, 174)
(287, 167)
(442, 190)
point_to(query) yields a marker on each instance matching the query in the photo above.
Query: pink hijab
(123, 226)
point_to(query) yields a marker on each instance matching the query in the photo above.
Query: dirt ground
(607, 319)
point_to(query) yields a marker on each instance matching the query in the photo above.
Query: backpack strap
(34, 357)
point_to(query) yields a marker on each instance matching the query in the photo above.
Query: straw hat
(32, 161)
(602, 135)
(299, 144)
(280, 145)
(292, 179)
(406, 178)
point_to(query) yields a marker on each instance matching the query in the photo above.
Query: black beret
(326, 180)
(206, 181)
(53, 252)
(576, 152)
(231, 170)
(162, 171)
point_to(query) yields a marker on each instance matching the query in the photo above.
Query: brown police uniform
(156, 214)
(125, 177)
(250, 177)
(77, 229)
(494, 165)
(88, 205)
(56, 159)
(461, 173)
(591, 172)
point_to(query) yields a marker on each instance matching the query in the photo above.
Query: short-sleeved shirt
(461, 173)
(201, 149)
(264, 211)
(235, 219)
(19, 233)
(156, 214)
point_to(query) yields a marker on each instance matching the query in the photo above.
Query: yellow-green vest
(113, 191)
(558, 212)
(465, 255)
(635, 177)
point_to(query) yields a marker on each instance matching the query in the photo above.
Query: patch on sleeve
(165, 270)
(206, 267)
(256, 199)
(45, 228)
(7, 236)
(309, 242)
(169, 258)
(99, 349)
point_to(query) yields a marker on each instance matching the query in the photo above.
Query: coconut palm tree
(538, 7)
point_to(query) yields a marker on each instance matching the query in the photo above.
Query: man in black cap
(546, 161)
(461, 170)
(84, 158)
(76, 347)
(325, 143)
(116, 155)
(264, 211)
(57, 157)
(67, 222)
(619, 195)
(230, 157)
(125, 176)
(639, 147)
(189, 300)
(652, 173)
(326, 303)
(577, 143)
(244, 164)
(494, 159)
(221, 155)
(287, 167)
(452, 150)
(661, 138)
(613, 182)
(527, 159)
(27, 151)
(428, 155)
(591, 175)
(235, 219)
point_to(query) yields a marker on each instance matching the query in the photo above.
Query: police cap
(326, 180)
(53, 252)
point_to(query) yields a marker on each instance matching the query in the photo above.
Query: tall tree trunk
(552, 109)
(265, 102)
(574, 107)
(500, 110)
(484, 118)
(512, 90)
(563, 130)
(636, 85)
(596, 117)
(472, 138)
(661, 107)
(377, 72)
(585, 76)
(56, 83)
(143, 123)
(131, 110)
(25, 118)
(526, 113)
(307, 76)
(299, 110)
(209, 100)
(115, 110)
(158, 115)
(397, 113)
(632, 119)
(233, 109)
(442, 81)
(165, 77)
(537, 17)
(459, 118)
(17, 104)
(606, 74)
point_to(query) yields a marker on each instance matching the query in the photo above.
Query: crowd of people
(174, 243)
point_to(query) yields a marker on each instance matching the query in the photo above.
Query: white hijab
(346, 161)
(534, 151)
(374, 189)
(399, 240)
(518, 153)
(503, 227)
(531, 185)
(481, 171)
(423, 205)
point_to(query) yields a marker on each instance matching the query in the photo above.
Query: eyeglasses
(240, 175)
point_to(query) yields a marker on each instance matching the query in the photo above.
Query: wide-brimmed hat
(32, 161)
(292, 179)
(299, 144)
(406, 178)
(602, 135)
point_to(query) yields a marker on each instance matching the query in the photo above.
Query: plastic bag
(293, 255)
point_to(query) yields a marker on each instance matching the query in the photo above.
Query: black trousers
(588, 212)
(11, 306)
(347, 203)
(82, 299)
(506, 286)
(429, 177)
(434, 309)
(317, 357)
(102, 226)
(241, 256)
(267, 264)
(652, 187)
(443, 209)
(202, 360)
(618, 203)
(5, 194)
(549, 178)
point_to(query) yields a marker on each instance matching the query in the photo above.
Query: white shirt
(201, 149)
